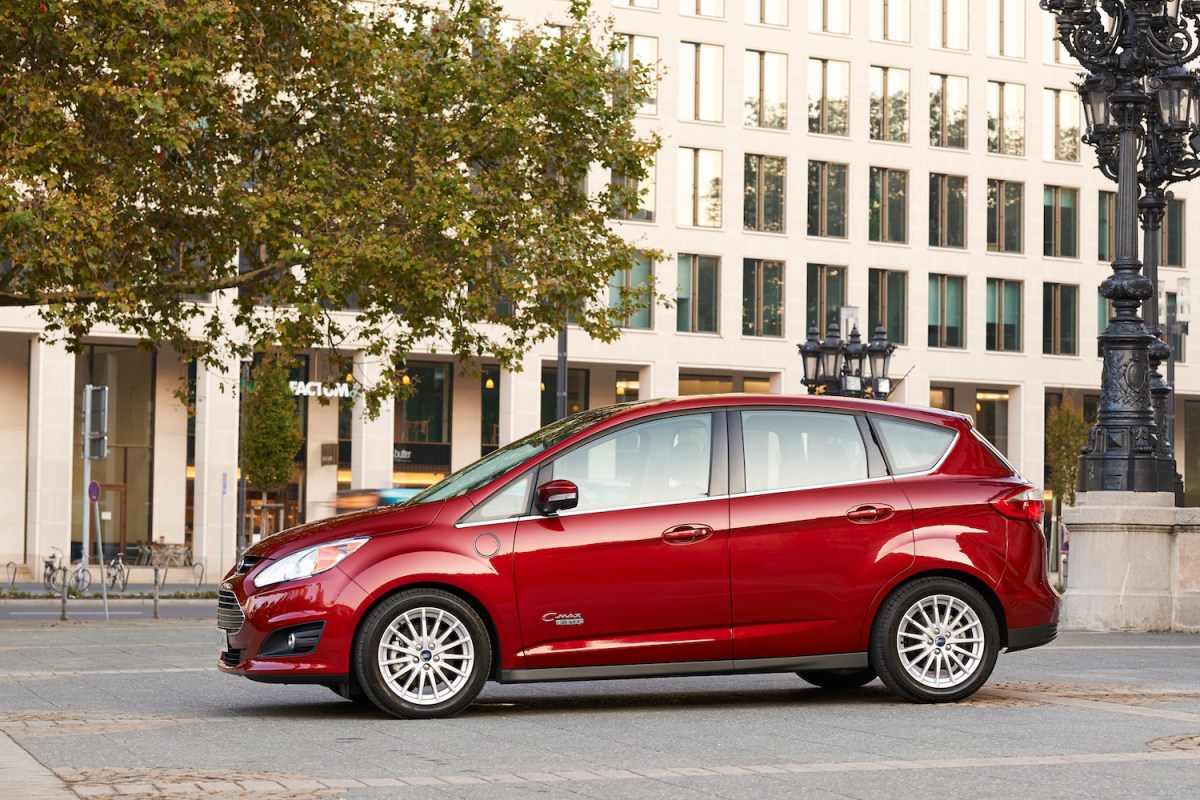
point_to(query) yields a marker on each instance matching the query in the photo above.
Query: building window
(1106, 231)
(827, 199)
(640, 209)
(642, 50)
(629, 387)
(763, 202)
(1003, 315)
(948, 111)
(699, 290)
(888, 205)
(889, 104)
(762, 297)
(889, 20)
(1060, 222)
(1178, 339)
(766, 12)
(1006, 28)
(1170, 238)
(629, 288)
(991, 418)
(826, 296)
(941, 397)
(1006, 208)
(947, 210)
(1053, 51)
(636, 3)
(829, 16)
(946, 310)
(1006, 118)
(699, 198)
(1060, 124)
(766, 90)
(701, 81)
(887, 303)
(1060, 319)
(702, 8)
(577, 392)
(948, 24)
(828, 97)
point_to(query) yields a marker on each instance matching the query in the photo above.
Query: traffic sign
(94, 491)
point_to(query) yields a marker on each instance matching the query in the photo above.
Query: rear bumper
(1033, 636)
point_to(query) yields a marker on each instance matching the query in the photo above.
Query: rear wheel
(838, 678)
(935, 640)
(422, 654)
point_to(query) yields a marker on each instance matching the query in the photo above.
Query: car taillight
(1025, 503)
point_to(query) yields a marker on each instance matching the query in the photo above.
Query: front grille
(229, 613)
(231, 657)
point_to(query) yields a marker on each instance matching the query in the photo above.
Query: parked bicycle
(118, 573)
(52, 570)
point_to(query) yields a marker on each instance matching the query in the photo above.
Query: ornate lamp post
(1138, 103)
(835, 367)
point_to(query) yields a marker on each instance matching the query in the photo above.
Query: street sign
(93, 491)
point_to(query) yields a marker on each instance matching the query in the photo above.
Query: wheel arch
(976, 583)
(489, 623)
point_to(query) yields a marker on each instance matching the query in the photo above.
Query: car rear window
(912, 446)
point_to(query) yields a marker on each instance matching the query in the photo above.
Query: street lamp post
(1139, 103)
(835, 367)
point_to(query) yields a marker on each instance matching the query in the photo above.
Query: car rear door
(816, 528)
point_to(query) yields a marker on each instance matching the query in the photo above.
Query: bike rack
(11, 567)
(198, 574)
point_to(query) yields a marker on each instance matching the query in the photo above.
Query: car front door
(816, 528)
(638, 572)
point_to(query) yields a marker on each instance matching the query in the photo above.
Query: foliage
(272, 435)
(424, 166)
(1066, 434)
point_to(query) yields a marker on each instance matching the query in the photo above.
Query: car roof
(640, 408)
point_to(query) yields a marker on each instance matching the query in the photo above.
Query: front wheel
(935, 640)
(422, 654)
(81, 579)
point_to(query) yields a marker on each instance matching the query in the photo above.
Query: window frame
(760, 192)
(822, 196)
(940, 224)
(754, 314)
(996, 303)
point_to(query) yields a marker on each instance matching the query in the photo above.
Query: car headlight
(308, 562)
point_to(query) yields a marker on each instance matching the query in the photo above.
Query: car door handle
(870, 513)
(686, 534)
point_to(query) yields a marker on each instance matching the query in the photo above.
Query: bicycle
(78, 579)
(51, 576)
(118, 573)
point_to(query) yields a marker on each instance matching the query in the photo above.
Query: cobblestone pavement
(138, 710)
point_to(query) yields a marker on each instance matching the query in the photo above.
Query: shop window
(577, 392)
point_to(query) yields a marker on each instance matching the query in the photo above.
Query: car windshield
(498, 462)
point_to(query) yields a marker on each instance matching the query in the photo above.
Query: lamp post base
(1134, 563)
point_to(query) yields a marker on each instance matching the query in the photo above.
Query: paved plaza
(133, 708)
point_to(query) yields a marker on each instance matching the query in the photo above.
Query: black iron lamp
(852, 376)
(879, 355)
(832, 354)
(810, 357)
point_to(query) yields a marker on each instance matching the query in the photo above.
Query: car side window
(662, 460)
(511, 501)
(793, 449)
(912, 446)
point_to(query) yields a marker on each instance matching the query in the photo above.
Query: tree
(423, 167)
(272, 434)
(1066, 434)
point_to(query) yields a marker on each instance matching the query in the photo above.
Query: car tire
(838, 678)
(422, 654)
(935, 640)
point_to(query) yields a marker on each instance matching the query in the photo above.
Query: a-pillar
(371, 440)
(52, 454)
(520, 400)
(215, 488)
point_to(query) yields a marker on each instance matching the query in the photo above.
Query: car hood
(371, 522)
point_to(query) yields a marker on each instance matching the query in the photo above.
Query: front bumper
(321, 611)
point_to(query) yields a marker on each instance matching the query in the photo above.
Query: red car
(838, 539)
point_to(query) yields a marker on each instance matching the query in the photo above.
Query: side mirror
(555, 496)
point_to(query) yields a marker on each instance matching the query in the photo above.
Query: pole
(561, 389)
(87, 472)
(221, 536)
(100, 556)
(241, 521)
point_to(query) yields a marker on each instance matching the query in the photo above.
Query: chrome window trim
(574, 512)
(806, 487)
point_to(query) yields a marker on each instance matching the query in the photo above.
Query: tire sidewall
(884, 655)
(371, 631)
